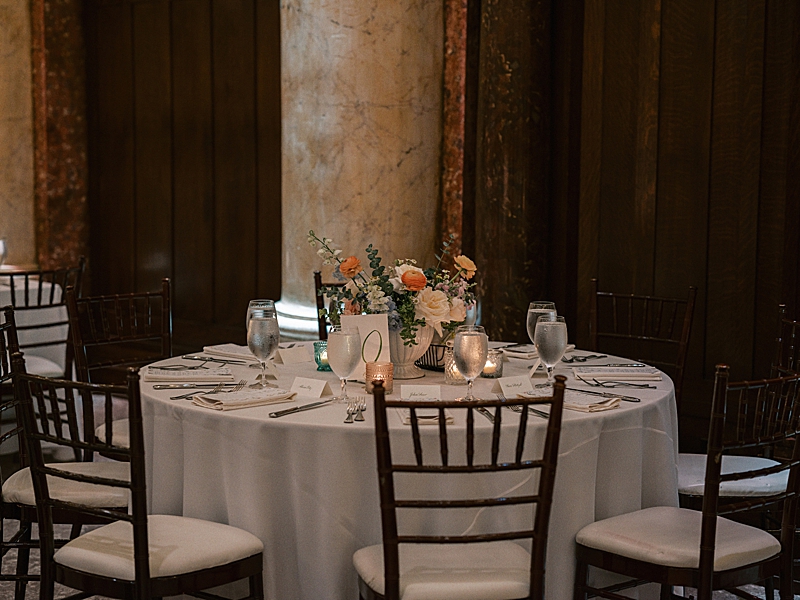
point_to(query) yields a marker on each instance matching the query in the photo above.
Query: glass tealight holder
(321, 355)
(452, 376)
(493, 369)
(380, 371)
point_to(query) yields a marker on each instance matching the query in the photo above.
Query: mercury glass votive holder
(493, 369)
(321, 355)
(380, 371)
(452, 376)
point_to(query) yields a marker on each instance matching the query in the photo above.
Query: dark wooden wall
(184, 155)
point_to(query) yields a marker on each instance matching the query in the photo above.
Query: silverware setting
(296, 409)
(635, 364)
(216, 390)
(606, 395)
(223, 361)
(483, 411)
(355, 408)
(581, 359)
(517, 408)
(615, 384)
(190, 386)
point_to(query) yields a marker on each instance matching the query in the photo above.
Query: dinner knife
(297, 409)
(618, 365)
(189, 386)
(606, 395)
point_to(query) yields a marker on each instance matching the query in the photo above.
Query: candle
(321, 355)
(489, 368)
(380, 371)
(494, 365)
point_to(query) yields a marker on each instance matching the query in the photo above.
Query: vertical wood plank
(268, 81)
(687, 53)
(193, 172)
(791, 276)
(153, 148)
(733, 202)
(234, 158)
(112, 219)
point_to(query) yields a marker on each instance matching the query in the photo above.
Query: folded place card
(244, 398)
(617, 373)
(313, 388)
(212, 374)
(511, 386)
(231, 351)
(292, 356)
(421, 392)
(372, 342)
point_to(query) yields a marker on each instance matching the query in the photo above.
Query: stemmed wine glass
(263, 304)
(263, 337)
(344, 354)
(535, 310)
(550, 339)
(470, 347)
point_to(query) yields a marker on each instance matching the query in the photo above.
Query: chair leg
(23, 559)
(581, 579)
(257, 586)
(75, 531)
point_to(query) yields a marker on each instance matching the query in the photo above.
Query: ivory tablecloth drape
(306, 484)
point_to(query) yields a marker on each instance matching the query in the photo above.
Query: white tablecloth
(306, 484)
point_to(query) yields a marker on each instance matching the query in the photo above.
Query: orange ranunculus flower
(414, 280)
(350, 267)
(465, 263)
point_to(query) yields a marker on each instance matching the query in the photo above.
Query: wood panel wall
(184, 155)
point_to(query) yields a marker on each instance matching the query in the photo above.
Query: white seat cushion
(44, 367)
(692, 474)
(670, 536)
(19, 487)
(177, 545)
(120, 433)
(485, 571)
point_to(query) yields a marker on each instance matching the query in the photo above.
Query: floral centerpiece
(412, 297)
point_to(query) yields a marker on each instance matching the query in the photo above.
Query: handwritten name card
(312, 388)
(421, 392)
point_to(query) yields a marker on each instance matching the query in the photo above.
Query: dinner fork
(584, 358)
(361, 406)
(351, 411)
(614, 384)
(219, 389)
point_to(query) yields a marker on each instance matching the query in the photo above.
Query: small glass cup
(493, 369)
(321, 355)
(380, 371)
(452, 376)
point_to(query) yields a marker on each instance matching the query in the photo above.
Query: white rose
(458, 312)
(433, 306)
(399, 270)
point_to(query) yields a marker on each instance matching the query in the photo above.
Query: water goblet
(344, 354)
(550, 339)
(263, 337)
(263, 305)
(470, 348)
(535, 310)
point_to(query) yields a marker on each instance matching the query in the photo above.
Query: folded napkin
(617, 373)
(527, 351)
(190, 375)
(425, 416)
(231, 351)
(576, 401)
(242, 399)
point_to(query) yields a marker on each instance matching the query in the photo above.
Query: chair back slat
(11, 441)
(121, 330)
(508, 448)
(786, 360)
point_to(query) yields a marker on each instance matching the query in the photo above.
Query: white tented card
(373, 343)
(292, 356)
(511, 386)
(421, 392)
(313, 388)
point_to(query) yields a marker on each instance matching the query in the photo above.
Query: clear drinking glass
(344, 354)
(263, 337)
(550, 339)
(470, 347)
(262, 305)
(535, 310)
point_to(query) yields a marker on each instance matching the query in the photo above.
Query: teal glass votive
(321, 355)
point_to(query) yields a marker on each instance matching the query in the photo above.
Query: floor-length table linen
(306, 484)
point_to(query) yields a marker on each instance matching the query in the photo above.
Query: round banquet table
(307, 485)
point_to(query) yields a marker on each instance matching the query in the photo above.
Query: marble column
(362, 103)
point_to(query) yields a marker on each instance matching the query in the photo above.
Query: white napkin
(617, 373)
(244, 398)
(231, 351)
(425, 416)
(527, 351)
(576, 401)
(191, 375)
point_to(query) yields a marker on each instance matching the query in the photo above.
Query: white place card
(366, 324)
(313, 388)
(293, 356)
(421, 392)
(511, 386)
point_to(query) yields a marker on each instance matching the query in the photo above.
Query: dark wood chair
(319, 294)
(683, 547)
(487, 561)
(136, 556)
(652, 329)
(42, 325)
(18, 498)
(787, 345)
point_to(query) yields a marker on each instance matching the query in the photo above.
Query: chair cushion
(670, 536)
(44, 367)
(485, 571)
(19, 487)
(692, 473)
(120, 433)
(177, 545)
